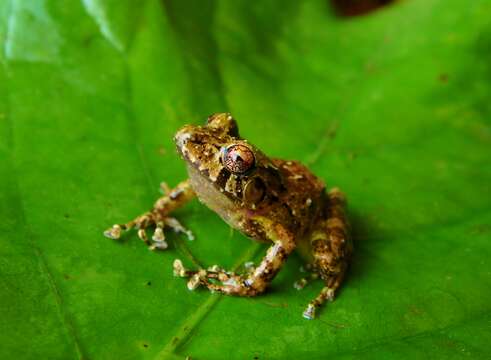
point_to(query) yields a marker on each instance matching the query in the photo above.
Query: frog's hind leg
(331, 248)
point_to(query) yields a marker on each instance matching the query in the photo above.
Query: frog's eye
(238, 159)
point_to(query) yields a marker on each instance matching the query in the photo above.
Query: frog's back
(304, 195)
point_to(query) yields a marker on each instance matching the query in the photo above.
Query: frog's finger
(142, 234)
(175, 225)
(113, 232)
(180, 271)
(164, 188)
(158, 238)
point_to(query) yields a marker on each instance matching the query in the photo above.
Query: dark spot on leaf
(443, 78)
(87, 40)
(449, 344)
(256, 357)
(66, 276)
(415, 311)
(67, 216)
(149, 283)
(480, 229)
(370, 68)
(175, 340)
(357, 7)
(145, 345)
(352, 155)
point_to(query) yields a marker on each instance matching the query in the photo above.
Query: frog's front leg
(158, 217)
(250, 284)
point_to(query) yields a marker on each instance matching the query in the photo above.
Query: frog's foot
(201, 276)
(215, 279)
(146, 221)
(326, 293)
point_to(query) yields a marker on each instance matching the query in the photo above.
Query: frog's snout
(183, 136)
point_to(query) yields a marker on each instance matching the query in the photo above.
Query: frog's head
(215, 154)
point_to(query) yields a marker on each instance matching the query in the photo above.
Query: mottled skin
(271, 200)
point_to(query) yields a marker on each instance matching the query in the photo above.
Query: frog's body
(288, 208)
(270, 200)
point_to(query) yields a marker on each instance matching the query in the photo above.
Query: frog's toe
(164, 188)
(309, 312)
(197, 279)
(113, 232)
(142, 234)
(194, 282)
(175, 225)
(249, 267)
(300, 284)
(158, 235)
(179, 269)
(158, 245)
(158, 239)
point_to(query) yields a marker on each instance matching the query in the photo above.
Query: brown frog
(271, 200)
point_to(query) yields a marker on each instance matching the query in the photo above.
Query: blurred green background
(392, 105)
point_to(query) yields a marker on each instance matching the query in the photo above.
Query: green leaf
(393, 107)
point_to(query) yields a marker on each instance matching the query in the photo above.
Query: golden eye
(238, 159)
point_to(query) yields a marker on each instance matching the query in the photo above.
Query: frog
(270, 200)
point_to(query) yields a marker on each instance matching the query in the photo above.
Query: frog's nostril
(182, 137)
